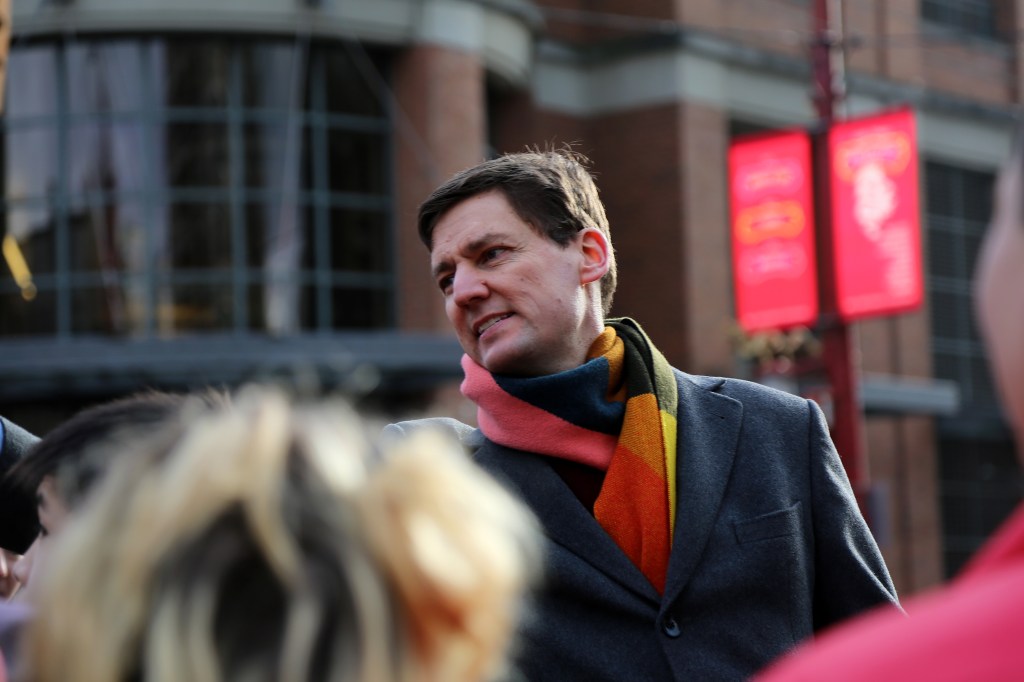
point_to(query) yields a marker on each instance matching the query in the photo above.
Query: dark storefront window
(973, 17)
(159, 186)
(979, 480)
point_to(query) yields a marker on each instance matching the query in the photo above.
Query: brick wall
(440, 129)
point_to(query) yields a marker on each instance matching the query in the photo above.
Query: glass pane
(313, 158)
(946, 315)
(31, 82)
(194, 307)
(268, 76)
(31, 163)
(972, 244)
(200, 237)
(33, 242)
(106, 157)
(356, 162)
(21, 316)
(360, 308)
(118, 309)
(353, 81)
(197, 73)
(279, 237)
(282, 307)
(983, 390)
(197, 155)
(105, 76)
(272, 155)
(360, 241)
(944, 254)
(941, 190)
(950, 366)
(978, 189)
(108, 236)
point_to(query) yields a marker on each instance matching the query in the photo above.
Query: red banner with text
(875, 215)
(774, 265)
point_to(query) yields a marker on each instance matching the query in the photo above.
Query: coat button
(670, 627)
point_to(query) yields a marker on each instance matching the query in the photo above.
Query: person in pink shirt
(972, 629)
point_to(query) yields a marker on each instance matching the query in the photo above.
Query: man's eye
(491, 254)
(445, 283)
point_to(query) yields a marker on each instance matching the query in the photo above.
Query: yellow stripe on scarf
(637, 502)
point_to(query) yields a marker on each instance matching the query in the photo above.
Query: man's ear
(595, 248)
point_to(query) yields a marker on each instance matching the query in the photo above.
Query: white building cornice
(501, 32)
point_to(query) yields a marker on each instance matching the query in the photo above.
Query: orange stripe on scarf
(636, 506)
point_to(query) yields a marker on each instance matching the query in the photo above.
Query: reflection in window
(106, 77)
(23, 317)
(108, 236)
(199, 238)
(354, 308)
(105, 158)
(34, 72)
(116, 306)
(196, 72)
(360, 241)
(166, 186)
(356, 162)
(205, 306)
(197, 154)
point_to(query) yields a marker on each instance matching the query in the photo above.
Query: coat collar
(708, 428)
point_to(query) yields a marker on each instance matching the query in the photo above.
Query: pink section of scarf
(514, 423)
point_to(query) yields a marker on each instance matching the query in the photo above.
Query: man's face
(1000, 294)
(53, 516)
(520, 303)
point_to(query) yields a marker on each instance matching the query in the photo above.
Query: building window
(157, 186)
(973, 17)
(977, 468)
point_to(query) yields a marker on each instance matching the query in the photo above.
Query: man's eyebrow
(470, 247)
(440, 267)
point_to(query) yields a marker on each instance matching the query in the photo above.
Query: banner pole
(839, 353)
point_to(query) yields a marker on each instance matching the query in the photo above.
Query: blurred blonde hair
(263, 541)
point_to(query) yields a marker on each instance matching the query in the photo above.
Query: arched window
(155, 186)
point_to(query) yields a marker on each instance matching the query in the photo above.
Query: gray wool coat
(769, 547)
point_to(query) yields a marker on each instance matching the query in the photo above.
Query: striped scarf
(616, 413)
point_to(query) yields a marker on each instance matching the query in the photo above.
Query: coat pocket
(776, 524)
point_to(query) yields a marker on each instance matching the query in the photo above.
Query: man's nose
(468, 286)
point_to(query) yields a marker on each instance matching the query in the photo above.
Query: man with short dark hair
(699, 527)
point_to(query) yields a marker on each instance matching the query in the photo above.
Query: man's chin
(503, 363)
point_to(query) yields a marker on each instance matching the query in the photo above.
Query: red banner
(876, 232)
(774, 267)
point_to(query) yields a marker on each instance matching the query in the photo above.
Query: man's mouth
(491, 322)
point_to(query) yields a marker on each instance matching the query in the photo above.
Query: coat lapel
(563, 517)
(708, 428)
(708, 433)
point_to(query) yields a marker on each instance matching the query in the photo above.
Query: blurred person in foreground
(57, 473)
(699, 526)
(973, 629)
(61, 468)
(18, 523)
(263, 541)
